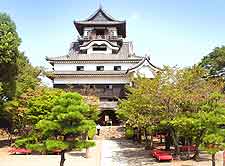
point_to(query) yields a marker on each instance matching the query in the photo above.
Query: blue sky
(175, 32)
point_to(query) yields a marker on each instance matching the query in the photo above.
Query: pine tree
(63, 128)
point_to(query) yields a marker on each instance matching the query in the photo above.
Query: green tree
(27, 75)
(9, 52)
(63, 127)
(214, 62)
(198, 93)
(142, 109)
(26, 109)
(175, 98)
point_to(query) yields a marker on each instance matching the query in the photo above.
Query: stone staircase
(111, 132)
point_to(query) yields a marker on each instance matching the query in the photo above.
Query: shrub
(91, 133)
(129, 133)
(79, 145)
(37, 147)
(22, 142)
(56, 145)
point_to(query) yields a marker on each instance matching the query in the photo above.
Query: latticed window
(101, 47)
(117, 68)
(80, 68)
(100, 68)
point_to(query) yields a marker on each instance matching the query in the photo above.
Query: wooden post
(213, 160)
(62, 158)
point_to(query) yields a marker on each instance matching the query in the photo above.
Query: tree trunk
(160, 138)
(213, 160)
(196, 155)
(62, 158)
(174, 138)
(147, 144)
(167, 141)
(151, 142)
(188, 152)
(139, 135)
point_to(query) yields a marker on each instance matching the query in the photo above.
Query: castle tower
(100, 62)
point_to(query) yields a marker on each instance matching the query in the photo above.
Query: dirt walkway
(72, 158)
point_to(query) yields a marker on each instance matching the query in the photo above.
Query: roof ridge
(100, 9)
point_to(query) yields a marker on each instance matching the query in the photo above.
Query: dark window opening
(83, 51)
(92, 86)
(80, 68)
(100, 68)
(114, 51)
(100, 32)
(117, 68)
(109, 87)
(102, 47)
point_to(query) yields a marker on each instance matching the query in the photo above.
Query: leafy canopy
(61, 121)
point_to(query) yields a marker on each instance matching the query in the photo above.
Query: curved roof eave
(147, 58)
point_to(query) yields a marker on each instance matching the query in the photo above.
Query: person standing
(98, 127)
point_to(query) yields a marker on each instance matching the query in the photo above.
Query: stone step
(111, 132)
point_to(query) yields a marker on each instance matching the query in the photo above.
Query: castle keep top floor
(101, 25)
(100, 33)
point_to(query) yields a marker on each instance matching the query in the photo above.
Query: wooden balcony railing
(107, 37)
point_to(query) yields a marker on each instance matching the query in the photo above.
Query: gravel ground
(106, 153)
(125, 153)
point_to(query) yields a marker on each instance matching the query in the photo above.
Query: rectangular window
(80, 68)
(102, 47)
(109, 86)
(100, 68)
(117, 68)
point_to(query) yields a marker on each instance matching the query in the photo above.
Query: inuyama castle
(100, 62)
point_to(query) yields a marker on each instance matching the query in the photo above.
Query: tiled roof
(147, 58)
(94, 57)
(113, 45)
(86, 73)
(122, 55)
(99, 22)
(100, 17)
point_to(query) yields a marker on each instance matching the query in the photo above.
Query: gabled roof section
(101, 18)
(141, 63)
(100, 15)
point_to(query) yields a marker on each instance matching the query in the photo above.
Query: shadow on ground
(134, 154)
(77, 154)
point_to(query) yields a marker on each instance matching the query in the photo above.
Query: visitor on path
(98, 127)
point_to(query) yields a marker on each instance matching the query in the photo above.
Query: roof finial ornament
(147, 54)
(100, 4)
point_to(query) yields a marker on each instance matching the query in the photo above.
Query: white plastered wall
(145, 71)
(91, 67)
(92, 80)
